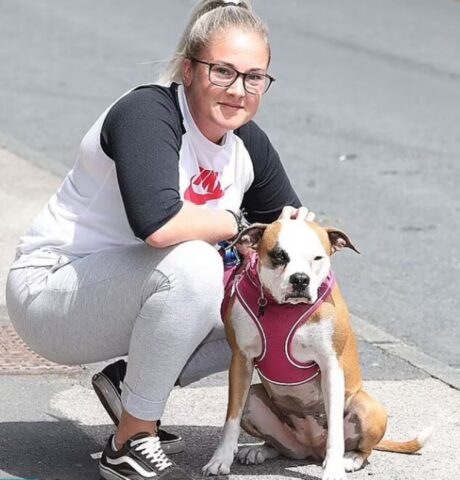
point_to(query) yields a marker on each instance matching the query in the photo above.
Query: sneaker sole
(104, 389)
(110, 475)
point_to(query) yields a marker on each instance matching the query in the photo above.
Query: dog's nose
(299, 281)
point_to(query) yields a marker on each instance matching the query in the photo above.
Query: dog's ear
(250, 236)
(339, 240)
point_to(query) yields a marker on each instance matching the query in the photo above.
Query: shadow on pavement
(49, 450)
(201, 442)
(62, 450)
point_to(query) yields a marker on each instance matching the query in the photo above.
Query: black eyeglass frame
(238, 74)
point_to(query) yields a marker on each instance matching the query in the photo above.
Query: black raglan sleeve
(271, 189)
(142, 134)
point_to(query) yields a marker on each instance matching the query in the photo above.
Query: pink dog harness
(277, 324)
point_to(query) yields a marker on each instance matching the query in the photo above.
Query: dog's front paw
(256, 454)
(334, 470)
(220, 463)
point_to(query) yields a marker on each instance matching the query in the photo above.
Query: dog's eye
(279, 257)
(318, 258)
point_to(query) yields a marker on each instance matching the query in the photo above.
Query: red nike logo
(204, 187)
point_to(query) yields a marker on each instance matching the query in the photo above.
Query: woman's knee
(198, 267)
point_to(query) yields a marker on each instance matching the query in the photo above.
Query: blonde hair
(207, 18)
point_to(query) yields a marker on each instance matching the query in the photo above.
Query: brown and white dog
(329, 417)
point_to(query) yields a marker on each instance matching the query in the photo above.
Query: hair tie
(232, 3)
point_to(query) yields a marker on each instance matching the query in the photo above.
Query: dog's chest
(313, 341)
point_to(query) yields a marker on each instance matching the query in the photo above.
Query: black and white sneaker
(141, 457)
(107, 385)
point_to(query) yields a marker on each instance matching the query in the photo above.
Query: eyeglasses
(222, 75)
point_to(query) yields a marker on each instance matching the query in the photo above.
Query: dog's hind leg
(365, 425)
(261, 419)
(256, 454)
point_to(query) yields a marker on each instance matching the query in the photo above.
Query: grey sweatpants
(159, 306)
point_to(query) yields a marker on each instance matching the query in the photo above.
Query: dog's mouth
(297, 297)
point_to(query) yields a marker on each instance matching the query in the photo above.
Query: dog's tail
(411, 446)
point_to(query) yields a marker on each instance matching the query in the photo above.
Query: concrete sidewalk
(51, 424)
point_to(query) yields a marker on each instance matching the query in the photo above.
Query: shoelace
(151, 448)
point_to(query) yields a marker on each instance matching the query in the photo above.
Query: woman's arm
(195, 223)
(142, 134)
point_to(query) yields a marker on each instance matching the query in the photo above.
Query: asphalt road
(365, 114)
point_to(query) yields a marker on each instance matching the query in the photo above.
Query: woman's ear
(187, 72)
